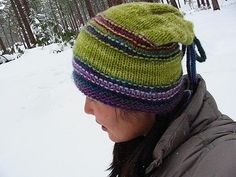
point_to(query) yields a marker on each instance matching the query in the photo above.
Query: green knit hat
(129, 57)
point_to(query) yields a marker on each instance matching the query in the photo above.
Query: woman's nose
(88, 109)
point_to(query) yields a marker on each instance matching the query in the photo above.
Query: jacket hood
(198, 114)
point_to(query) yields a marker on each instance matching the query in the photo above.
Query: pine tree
(208, 4)
(215, 5)
(89, 8)
(26, 7)
(3, 47)
(81, 20)
(148, 0)
(26, 38)
(173, 3)
(114, 2)
(24, 20)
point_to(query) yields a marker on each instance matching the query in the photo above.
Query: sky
(43, 129)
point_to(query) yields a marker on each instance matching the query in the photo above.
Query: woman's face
(120, 127)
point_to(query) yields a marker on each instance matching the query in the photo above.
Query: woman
(127, 61)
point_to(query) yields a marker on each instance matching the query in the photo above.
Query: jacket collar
(182, 127)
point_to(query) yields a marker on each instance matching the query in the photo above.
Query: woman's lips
(104, 128)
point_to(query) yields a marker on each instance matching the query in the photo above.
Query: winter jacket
(201, 142)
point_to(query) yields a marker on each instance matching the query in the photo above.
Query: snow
(2, 6)
(217, 31)
(43, 129)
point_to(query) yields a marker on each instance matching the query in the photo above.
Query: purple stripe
(124, 83)
(150, 96)
(119, 102)
(130, 50)
(122, 31)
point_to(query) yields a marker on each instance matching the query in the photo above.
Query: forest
(25, 24)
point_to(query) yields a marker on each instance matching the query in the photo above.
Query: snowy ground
(43, 130)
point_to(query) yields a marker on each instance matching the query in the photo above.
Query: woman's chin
(118, 139)
(114, 139)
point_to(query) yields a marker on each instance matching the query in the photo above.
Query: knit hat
(129, 57)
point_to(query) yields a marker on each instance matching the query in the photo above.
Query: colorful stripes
(129, 57)
(111, 62)
(128, 42)
(156, 94)
(172, 51)
(121, 31)
(118, 100)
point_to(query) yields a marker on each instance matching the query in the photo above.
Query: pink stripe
(105, 23)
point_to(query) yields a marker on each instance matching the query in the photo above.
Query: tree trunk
(53, 12)
(208, 4)
(75, 22)
(63, 16)
(10, 31)
(5, 35)
(12, 40)
(95, 6)
(12, 27)
(198, 4)
(26, 39)
(83, 10)
(117, 2)
(109, 3)
(203, 3)
(90, 8)
(22, 40)
(25, 4)
(103, 5)
(173, 3)
(72, 17)
(71, 24)
(60, 15)
(215, 5)
(81, 20)
(147, 0)
(3, 46)
(179, 4)
(25, 22)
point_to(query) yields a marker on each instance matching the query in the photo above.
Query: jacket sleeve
(219, 161)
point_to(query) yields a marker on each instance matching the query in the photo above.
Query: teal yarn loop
(192, 57)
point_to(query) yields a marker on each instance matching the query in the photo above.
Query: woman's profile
(128, 61)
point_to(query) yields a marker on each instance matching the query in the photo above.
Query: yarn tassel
(201, 51)
(192, 57)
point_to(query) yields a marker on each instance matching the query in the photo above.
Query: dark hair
(132, 158)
